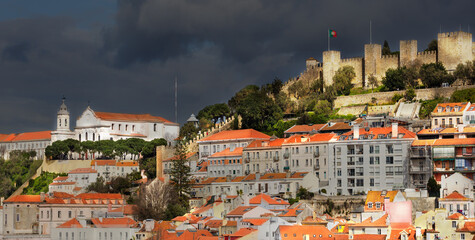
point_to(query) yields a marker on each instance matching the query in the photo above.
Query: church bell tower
(63, 118)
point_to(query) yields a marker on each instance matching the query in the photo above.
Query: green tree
(89, 148)
(434, 74)
(150, 148)
(276, 86)
(106, 148)
(410, 94)
(281, 126)
(372, 81)
(236, 101)
(188, 131)
(466, 72)
(120, 185)
(57, 150)
(342, 80)
(400, 78)
(214, 112)
(386, 50)
(136, 145)
(465, 95)
(303, 193)
(433, 188)
(432, 46)
(180, 176)
(100, 186)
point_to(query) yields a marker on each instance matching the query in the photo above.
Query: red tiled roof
(130, 117)
(236, 134)
(62, 195)
(469, 226)
(113, 222)
(336, 126)
(454, 196)
(456, 216)
(381, 222)
(99, 196)
(451, 105)
(24, 199)
(103, 162)
(230, 224)
(62, 183)
(271, 201)
(82, 170)
(243, 232)
(61, 178)
(256, 221)
(304, 128)
(454, 142)
(266, 143)
(228, 153)
(296, 232)
(73, 223)
(382, 130)
(127, 164)
(128, 209)
(27, 136)
(241, 210)
(293, 212)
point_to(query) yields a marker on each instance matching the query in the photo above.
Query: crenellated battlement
(427, 53)
(391, 56)
(454, 34)
(355, 59)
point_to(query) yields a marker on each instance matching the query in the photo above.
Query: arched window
(133, 128)
(65, 122)
(112, 126)
(126, 127)
(155, 127)
(93, 137)
(60, 122)
(79, 137)
(119, 126)
(86, 137)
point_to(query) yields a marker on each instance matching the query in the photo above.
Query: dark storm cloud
(214, 47)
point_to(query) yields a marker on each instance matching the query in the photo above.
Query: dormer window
(378, 205)
(370, 205)
(439, 109)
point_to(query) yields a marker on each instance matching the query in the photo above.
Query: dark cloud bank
(215, 47)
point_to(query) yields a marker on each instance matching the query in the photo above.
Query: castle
(453, 48)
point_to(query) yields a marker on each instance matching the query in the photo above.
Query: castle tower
(454, 48)
(372, 58)
(312, 63)
(408, 52)
(63, 131)
(331, 63)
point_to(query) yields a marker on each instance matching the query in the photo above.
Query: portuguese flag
(332, 33)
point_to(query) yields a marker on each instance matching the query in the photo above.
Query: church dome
(192, 118)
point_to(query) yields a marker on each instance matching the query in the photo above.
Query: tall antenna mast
(176, 99)
(370, 34)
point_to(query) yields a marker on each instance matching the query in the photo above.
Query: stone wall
(385, 97)
(382, 109)
(353, 110)
(454, 48)
(331, 64)
(357, 64)
(426, 57)
(386, 62)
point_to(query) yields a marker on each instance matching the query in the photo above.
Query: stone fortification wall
(357, 64)
(353, 110)
(386, 62)
(385, 97)
(426, 57)
(331, 63)
(454, 48)
(407, 52)
(372, 57)
(382, 109)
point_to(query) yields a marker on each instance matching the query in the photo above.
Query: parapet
(355, 59)
(454, 34)
(390, 56)
(427, 53)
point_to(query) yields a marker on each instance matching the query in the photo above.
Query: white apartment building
(226, 163)
(227, 139)
(369, 159)
(28, 141)
(262, 156)
(469, 115)
(109, 169)
(96, 228)
(448, 115)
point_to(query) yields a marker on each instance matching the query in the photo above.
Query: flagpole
(328, 33)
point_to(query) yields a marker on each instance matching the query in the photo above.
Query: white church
(96, 126)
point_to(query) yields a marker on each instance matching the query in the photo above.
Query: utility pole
(176, 98)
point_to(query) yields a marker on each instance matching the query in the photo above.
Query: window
(376, 160)
(120, 126)
(370, 205)
(389, 160)
(17, 217)
(371, 160)
(371, 149)
(70, 214)
(59, 214)
(155, 127)
(454, 224)
(371, 182)
(378, 205)
(112, 126)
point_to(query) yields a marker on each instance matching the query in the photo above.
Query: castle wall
(387, 62)
(454, 48)
(372, 57)
(426, 57)
(331, 63)
(357, 64)
(386, 97)
(407, 51)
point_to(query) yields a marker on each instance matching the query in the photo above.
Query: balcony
(418, 154)
(415, 169)
(204, 154)
(359, 173)
(287, 168)
(286, 155)
(316, 167)
(350, 163)
(276, 158)
(316, 154)
(447, 169)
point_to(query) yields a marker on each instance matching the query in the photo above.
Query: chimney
(287, 174)
(160, 151)
(356, 131)
(394, 130)
(42, 196)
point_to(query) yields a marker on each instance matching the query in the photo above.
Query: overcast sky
(123, 56)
